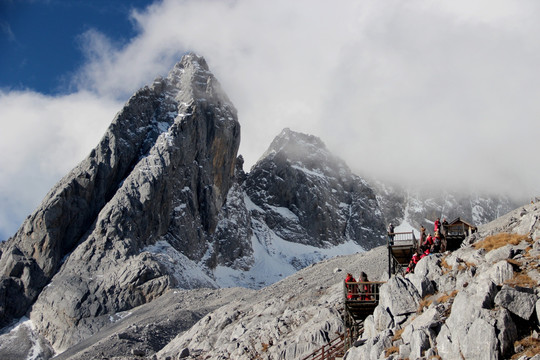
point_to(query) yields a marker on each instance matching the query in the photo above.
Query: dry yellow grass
(465, 265)
(531, 347)
(391, 350)
(516, 264)
(444, 298)
(445, 267)
(499, 240)
(424, 303)
(521, 280)
(397, 335)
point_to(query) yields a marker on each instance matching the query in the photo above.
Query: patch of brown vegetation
(499, 240)
(522, 280)
(515, 264)
(391, 350)
(530, 346)
(397, 334)
(465, 265)
(446, 297)
(445, 267)
(424, 303)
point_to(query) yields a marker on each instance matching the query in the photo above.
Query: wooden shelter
(455, 232)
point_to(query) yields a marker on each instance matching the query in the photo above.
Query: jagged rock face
(297, 206)
(325, 204)
(159, 175)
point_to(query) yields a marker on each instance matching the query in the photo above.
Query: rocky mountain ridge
(163, 203)
(159, 176)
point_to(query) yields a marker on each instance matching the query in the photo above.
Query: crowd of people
(429, 243)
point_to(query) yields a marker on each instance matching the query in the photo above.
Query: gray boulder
(382, 319)
(480, 342)
(420, 342)
(399, 297)
(520, 301)
(498, 273)
(423, 285)
(373, 348)
(473, 328)
(502, 253)
(429, 267)
(429, 319)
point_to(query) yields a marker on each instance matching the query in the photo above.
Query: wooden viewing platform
(362, 297)
(401, 247)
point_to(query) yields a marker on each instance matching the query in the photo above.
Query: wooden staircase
(334, 350)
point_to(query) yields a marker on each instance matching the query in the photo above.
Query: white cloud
(438, 92)
(42, 138)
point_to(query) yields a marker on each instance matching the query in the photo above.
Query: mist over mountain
(162, 212)
(410, 208)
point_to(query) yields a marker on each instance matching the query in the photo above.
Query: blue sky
(41, 40)
(401, 90)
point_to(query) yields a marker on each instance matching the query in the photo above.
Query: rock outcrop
(480, 300)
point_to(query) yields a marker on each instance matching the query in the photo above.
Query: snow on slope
(276, 259)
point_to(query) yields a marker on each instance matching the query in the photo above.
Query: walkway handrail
(328, 351)
(362, 291)
(401, 237)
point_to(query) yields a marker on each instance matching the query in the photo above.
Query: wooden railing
(362, 291)
(402, 238)
(329, 351)
(399, 242)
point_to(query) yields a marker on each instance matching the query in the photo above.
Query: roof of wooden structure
(458, 220)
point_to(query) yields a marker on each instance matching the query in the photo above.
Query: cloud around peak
(438, 93)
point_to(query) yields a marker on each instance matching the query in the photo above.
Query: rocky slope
(479, 302)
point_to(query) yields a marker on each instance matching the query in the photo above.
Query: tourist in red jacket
(437, 225)
(351, 288)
